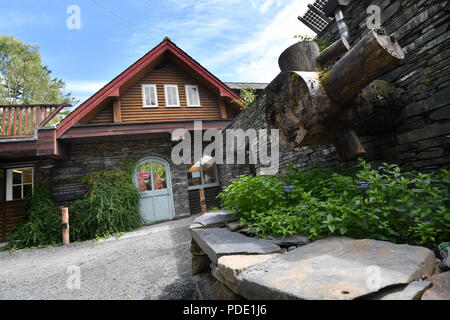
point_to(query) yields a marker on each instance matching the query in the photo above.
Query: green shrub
(42, 226)
(249, 195)
(398, 207)
(111, 205)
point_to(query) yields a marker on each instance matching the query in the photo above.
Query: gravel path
(151, 263)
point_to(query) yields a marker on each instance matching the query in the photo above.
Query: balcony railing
(20, 121)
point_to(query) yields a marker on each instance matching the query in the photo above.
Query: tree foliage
(23, 78)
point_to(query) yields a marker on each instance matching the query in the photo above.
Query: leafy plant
(398, 207)
(248, 96)
(322, 44)
(111, 205)
(248, 195)
(42, 226)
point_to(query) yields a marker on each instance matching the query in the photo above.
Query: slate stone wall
(99, 156)
(420, 140)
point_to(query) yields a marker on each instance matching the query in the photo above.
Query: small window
(172, 98)
(149, 96)
(19, 183)
(192, 96)
(203, 174)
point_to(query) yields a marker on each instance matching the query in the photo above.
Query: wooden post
(203, 200)
(117, 113)
(65, 226)
(222, 108)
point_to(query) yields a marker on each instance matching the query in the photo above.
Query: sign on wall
(68, 192)
(68, 173)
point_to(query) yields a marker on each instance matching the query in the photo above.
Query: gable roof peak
(112, 89)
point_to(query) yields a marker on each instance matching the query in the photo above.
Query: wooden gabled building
(134, 115)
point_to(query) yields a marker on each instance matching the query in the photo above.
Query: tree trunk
(333, 52)
(372, 56)
(299, 57)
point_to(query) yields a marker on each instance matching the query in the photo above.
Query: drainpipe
(342, 25)
(334, 8)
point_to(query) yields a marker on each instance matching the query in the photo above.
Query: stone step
(213, 219)
(218, 242)
(336, 268)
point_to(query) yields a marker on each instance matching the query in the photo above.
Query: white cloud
(256, 57)
(238, 40)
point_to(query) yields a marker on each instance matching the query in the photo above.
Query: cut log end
(390, 45)
(348, 145)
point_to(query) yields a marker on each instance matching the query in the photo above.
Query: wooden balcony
(25, 133)
(21, 121)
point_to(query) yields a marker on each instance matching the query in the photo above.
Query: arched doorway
(153, 180)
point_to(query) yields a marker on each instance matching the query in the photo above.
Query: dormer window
(172, 97)
(149, 96)
(192, 96)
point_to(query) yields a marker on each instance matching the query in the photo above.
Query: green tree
(23, 78)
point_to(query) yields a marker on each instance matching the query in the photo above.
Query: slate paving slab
(440, 289)
(231, 266)
(411, 291)
(293, 240)
(218, 242)
(213, 219)
(336, 268)
(235, 226)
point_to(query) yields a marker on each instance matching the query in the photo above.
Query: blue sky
(236, 40)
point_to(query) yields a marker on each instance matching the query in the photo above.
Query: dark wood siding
(11, 214)
(131, 100)
(106, 116)
(211, 199)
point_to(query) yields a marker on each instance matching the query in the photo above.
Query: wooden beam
(223, 108)
(117, 111)
(95, 132)
(47, 145)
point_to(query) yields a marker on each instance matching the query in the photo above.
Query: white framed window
(149, 96)
(172, 97)
(19, 183)
(192, 96)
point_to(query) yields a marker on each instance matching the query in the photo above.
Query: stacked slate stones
(229, 262)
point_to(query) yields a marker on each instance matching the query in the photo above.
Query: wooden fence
(20, 121)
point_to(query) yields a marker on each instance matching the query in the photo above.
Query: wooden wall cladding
(131, 100)
(11, 214)
(105, 116)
